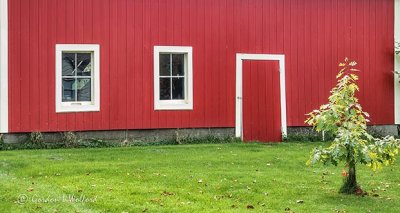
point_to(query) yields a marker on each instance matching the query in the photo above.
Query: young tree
(344, 118)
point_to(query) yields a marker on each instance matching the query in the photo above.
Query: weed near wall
(70, 140)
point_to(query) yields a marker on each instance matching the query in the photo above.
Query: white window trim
(239, 90)
(186, 104)
(94, 105)
(3, 66)
(396, 63)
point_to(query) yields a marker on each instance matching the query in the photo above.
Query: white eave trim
(3, 66)
(396, 63)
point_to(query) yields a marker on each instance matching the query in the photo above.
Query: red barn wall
(314, 35)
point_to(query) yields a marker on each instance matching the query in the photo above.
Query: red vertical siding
(15, 66)
(261, 101)
(43, 36)
(314, 36)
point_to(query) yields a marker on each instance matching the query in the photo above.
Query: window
(173, 86)
(77, 78)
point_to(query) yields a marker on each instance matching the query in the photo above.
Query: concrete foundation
(383, 130)
(150, 135)
(176, 134)
(376, 131)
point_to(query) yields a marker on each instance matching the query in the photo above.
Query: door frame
(239, 90)
(3, 66)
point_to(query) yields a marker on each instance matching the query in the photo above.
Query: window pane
(178, 64)
(68, 64)
(165, 68)
(165, 88)
(68, 92)
(178, 88)
(84, 88)
(84, 64)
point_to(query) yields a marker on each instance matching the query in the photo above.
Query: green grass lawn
(186, 178)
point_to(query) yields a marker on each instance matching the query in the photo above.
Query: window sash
(171, 76)
(76, 77)
(182, 77)
(83, 105)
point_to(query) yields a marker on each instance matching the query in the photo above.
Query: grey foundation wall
(376, 131)
(175, 134)
(130, 135)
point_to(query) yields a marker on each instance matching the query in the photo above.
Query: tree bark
(352, 179)
(350, 185)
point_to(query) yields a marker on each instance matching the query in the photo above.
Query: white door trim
(3, 66)
(396, 63)
(239, 84)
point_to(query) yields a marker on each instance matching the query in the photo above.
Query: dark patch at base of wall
(376, 131)
(150, 135)
(176, 134)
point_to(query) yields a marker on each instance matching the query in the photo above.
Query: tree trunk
(350, 182)
(350, 185)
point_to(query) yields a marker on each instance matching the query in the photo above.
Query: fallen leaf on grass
(29, 189)
(155, 200)
(165, 193)
(250, 206)
(218, 197)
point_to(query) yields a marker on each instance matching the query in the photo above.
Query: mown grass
(186, 178)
